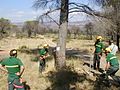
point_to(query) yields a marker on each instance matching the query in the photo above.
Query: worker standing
(98, 53)
(43, 54)
(15, 68)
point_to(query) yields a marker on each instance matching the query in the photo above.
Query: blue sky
(18, 10)
(21, 10)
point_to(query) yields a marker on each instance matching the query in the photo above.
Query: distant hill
(52, 24)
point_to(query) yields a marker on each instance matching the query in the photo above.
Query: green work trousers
(15, 84)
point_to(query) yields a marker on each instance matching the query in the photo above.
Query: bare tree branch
(50, 11)
(75, 8)
(86, 9)
(47, 14)
(81, 5)
(46, 3)
(53, 20)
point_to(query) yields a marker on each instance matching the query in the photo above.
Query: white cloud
(33, 12)
(34, 17)
(20, 12)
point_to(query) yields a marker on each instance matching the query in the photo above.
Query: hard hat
(13, 52)
(108, 49)
(46, 45)
(99, 37)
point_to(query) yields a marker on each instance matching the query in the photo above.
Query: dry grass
(43, 82)
(8, 43)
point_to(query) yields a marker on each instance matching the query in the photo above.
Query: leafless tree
(65, 7)
(31, 27)
(14, 30)
(75, 31)
(4, 25)
(113, 15)
(89, 30)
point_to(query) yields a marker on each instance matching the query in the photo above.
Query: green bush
(24, 49)
(54, 39)
(35, 59)
(39, 46)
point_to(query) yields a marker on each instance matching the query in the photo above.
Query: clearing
(77, 77)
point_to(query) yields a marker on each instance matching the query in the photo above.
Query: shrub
(24, 49)
(34, 59)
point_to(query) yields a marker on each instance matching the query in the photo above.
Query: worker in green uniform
(98, 53)
(43, 54)
(15, 68)
(112, 64)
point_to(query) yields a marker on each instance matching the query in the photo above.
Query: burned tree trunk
(118, 34)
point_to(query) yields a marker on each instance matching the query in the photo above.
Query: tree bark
(117, 11)
(91, 34)
(118, 40)
(60, 62)
(118, 34)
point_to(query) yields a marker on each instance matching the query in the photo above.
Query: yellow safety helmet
(99, 37)
(108, 49)
(45, 45)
